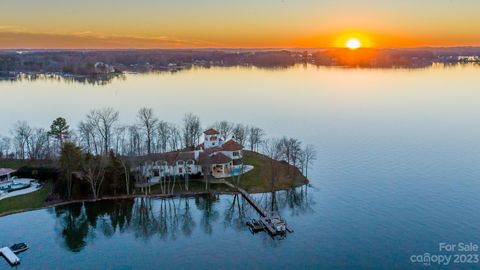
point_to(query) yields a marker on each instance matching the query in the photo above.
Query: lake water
(397, 171)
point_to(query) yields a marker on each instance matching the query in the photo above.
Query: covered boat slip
(8, 254)
(5, 174)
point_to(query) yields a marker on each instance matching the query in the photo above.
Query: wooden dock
(9, 256)
(265, 216)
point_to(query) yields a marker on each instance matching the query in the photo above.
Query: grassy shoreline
(256, 181)
(31, 200)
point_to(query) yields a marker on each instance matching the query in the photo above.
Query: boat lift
(9, 255)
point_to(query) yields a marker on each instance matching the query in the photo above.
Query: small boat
(255, 225)
(275, 225)
(19, 247)
(279, 225)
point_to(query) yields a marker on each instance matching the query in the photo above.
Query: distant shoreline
(104, 65)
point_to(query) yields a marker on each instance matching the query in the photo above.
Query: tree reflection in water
(169, 218)
(72, 225)
(209, 215)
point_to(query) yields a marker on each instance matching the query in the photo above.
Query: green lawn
(27, 201)
(13, 163)
(260, 178)
(257, 180)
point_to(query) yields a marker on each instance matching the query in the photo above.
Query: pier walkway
(266, 217)
(249, 198)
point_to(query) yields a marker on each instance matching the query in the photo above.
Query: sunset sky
(246, 23)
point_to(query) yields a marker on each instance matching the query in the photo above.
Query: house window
(214, 138)
(190, 162)
(236, 154)
(180, 170)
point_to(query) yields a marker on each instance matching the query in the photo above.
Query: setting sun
(353, 44)
(353, 40)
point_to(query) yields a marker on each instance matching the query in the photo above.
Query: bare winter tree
(309, 155)
(296, 150)
(87, 137)
(148, 122)
(191, 130)
(163, 136)
(175, 140)
(255, 137)
(93, 171)
(126, 170)
(103, 121)
(134, 141)
(5, 145)
(290, 148)
(225, 129)
(240, 133)
(38, 144)
(21, 133)
(272, 148)
(120, 140)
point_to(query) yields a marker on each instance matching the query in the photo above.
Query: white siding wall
(209, 144)
(230, 154)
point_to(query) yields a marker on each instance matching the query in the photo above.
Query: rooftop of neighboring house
(6, 171)
(211, 131)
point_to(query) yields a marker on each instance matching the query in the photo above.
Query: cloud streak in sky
(15, 37)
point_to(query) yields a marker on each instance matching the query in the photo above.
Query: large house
(215, 157)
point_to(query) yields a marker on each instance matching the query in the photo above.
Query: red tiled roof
(204, 159)
(186, 156)
(211, 131)
(231, 145)
(219, 158)
(212, 150)
(170, 157)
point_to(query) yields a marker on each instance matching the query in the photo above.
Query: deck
(9, 256)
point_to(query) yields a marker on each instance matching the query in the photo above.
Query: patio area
(34, 186)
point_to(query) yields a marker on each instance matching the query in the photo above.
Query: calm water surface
(397, 171)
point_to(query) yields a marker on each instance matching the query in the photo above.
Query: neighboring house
(5, 179)
(214, 156)
(5, 174)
